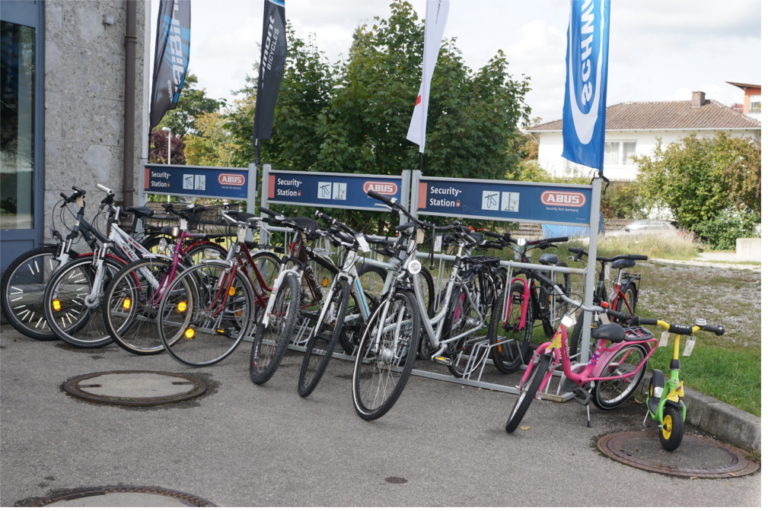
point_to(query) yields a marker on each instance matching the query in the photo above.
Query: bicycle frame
(583, 374)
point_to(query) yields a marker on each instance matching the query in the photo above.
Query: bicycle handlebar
(684, 329)
(79, 192)
(580, 252)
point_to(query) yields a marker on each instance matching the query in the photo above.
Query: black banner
(273, 50)
(171, 57)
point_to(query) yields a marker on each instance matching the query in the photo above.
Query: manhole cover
(696, 457)
(135, 388)
(116, 496)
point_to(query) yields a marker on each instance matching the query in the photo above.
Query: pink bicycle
(614, 370)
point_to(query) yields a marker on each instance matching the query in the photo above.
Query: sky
(660, 50)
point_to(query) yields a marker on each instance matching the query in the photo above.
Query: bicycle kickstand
(645, 419)
(589, 419)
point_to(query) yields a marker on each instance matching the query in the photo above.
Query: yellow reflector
(232, 291)
(325, 282)
(220, 331)
(181, 307)
(56, 304)
(126, 303)
(189, 333)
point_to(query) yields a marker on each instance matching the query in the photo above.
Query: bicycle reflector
(181, 306)
(189, 333)
(56, 304)
(231, 291)
(325, 282)
(126, 303)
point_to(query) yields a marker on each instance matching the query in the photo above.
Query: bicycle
(613, 372)
(344, 310)
(292, 308)
(26, 277)
(526, 300)
(664, 400)
(72, 297)
(389, 343)
(625, 287)
(133, 296)
(209, 308)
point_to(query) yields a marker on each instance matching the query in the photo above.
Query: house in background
(751, 105)
(634, 129)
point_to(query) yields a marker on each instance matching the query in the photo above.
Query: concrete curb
(722, 420)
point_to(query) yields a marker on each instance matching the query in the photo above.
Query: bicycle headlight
(414, 267)
(568, 320)
(419, 236)
(175, 231)
(162, 244)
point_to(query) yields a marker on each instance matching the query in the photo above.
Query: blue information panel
(330, 189)
(504, 200)
(217, 182)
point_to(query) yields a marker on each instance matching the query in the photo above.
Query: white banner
(437, 14)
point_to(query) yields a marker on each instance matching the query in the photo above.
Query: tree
(158, 148)
(192, 103)
(700, 178)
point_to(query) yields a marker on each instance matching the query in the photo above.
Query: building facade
(74, 108)
(635, 129)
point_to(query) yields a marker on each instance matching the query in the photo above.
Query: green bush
(722, 231)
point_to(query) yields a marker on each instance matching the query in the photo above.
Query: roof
(743, 85)
(667, 115)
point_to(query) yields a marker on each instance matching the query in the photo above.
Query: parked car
(650, 225)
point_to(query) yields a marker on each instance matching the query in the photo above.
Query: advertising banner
(216, 182)
(272, 64)
(330, 189)
(504, 200)
(586, 83)
(171, 57)
(434, 26)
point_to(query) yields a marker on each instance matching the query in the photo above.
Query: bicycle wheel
(386, 355)
(528, 390)
(268, 266)
(23, 285)
(320, 347)
(73, 316)
(372, 279)
(205, 313)
(470, 308)
(270, 340)
(671, 430)
(630, 298)
(513, 353)
(132, 304)
(608, 394)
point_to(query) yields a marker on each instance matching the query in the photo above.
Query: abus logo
(383, 188)
(231, 179)
(557, 198)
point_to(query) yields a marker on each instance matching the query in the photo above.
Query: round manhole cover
(135, 388)
(696, 457)
(116, 496)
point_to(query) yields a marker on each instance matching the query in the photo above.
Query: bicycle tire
(630, 293)
(528, 390)
(132, 303)
(508, 357)
(319, 349)
(671, 430)
(23, 285)
(68, 316)
(205, 313)
(271, 340)
(608, 394)
(391, 362)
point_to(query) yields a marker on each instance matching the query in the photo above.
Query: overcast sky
(660, 50)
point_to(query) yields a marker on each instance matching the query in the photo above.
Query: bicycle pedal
(442, 360)
(581, 396)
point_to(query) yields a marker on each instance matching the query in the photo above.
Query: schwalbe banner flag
(434, 26)
(272, 64)
(586, 82)
(171, 57)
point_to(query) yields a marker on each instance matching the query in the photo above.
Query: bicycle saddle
(611, 331)
(139, 211)
(549, 259)
(623, 263)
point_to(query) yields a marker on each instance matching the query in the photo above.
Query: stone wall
(84, 91)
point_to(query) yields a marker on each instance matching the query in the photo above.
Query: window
(754, 104)
(619, 153)
(17, 130)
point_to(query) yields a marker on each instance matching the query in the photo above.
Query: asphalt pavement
(443, 444)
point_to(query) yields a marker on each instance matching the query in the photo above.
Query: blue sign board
(217, 182)
(504, 200)
(330, 189)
